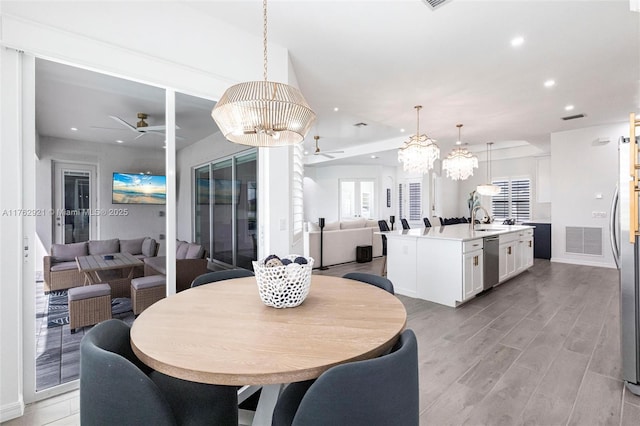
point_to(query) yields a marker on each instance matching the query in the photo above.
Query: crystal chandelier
(488, 188)
(419, 152)
(460, 162)
(263, 113)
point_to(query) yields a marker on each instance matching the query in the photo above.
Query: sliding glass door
(226, 209)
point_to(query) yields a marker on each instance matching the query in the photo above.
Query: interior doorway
(74, 200)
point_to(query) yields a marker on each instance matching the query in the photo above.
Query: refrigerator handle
(613, 224)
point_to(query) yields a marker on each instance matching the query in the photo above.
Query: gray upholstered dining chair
(405, 223)
(380, 391)
(228, 274)
(116, 388)
(427, 222)
(376, 280)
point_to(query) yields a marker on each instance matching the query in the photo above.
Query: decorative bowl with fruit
(283, 282)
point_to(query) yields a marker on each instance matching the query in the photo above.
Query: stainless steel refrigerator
(626, 251)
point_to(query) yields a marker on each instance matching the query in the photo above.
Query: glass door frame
(358, 197)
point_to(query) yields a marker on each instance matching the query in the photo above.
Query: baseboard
(583, 262)
(12, 410)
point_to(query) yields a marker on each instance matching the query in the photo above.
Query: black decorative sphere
(271, 256)
(286, 261)
(300, 260)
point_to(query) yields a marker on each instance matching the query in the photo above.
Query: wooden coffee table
(96, 267)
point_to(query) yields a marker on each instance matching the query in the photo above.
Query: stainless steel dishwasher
(491, 261)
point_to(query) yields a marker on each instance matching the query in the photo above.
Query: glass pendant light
(460, 163)
(488, 188)
(419, 152)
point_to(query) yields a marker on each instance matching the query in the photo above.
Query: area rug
(58, 308)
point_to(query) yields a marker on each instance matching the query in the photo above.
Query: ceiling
(375, 60)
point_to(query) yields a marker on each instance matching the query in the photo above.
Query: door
(472, 279)
(357, 199)
(74, 200)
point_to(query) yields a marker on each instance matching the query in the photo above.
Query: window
(410, 200)
(297, 191)
(514, 200)
(357, 199)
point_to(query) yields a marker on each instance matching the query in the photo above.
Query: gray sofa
(190, 262)
(60, 268)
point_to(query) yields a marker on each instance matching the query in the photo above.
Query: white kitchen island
(444, 264)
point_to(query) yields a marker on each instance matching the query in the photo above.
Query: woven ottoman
(145, 291)
(89, 305)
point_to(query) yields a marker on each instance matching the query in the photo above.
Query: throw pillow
(149, 247)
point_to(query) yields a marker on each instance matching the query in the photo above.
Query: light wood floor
(540, 349)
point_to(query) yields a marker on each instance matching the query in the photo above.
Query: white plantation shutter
(297, 192)
(514, 200)
(415, 201)
(400, 201)
(521, 200)
(500, 202)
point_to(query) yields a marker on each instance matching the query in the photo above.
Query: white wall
(165, 49)
(140, 220)
(580, 170)
(322, 189)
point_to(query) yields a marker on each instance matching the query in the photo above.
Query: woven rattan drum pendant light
(263, 113)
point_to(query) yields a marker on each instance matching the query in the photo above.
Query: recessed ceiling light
(549, 83)
(401, 130)
(336, 109)
(517, 41)
(569, 108)
(119, 141)
(374, 156)
(75, 129)
(306, 153)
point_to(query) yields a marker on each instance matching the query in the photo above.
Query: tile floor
(540, 349)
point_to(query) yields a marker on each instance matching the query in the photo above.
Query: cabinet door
(507, 260)
(519, 255)
(527, 253)
(473, 271)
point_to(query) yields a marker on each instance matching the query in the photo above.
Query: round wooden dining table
(221, 333)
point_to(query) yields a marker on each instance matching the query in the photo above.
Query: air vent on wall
(582, 240)
(573, 117)
(435, 3)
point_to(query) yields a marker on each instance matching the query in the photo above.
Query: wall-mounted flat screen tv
(130, 188)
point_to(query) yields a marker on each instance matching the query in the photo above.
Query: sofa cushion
(352, 224)
(104, 246)
(189, 251)
(64, 266)
(68, 252)
(133, 246)
(149, 247)
(371, 223)
(88, 292)
(332, 226)
(158, 263)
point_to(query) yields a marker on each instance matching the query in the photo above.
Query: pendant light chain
(264, 39)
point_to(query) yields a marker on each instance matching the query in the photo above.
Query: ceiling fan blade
(327, 155)
(139, 136)
(334, 152)
(106, 128)
(124, 123)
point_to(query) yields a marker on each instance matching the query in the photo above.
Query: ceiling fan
(141, 127)
(325, 154)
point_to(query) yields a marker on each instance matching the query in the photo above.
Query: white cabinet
(526, 249)
(473, 268)
(516, 254)
(472, 277)
(507, 256)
